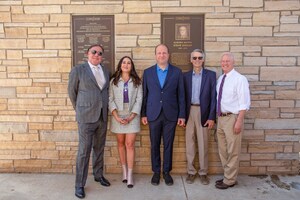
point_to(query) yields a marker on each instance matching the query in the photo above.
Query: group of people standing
(163, 99)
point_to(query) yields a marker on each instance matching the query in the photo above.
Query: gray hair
(199, 51)
(229, 54)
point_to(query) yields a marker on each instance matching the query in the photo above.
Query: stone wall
(38, 132)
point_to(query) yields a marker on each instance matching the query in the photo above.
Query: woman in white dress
(125, 101)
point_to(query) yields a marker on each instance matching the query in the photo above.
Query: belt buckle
(226, 114)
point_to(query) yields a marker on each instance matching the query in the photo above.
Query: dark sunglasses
(199, 58)
(96, 52)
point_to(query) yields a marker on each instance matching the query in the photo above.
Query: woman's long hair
(133, 75)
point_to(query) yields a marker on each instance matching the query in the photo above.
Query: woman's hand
(130, 118)
(118, 118)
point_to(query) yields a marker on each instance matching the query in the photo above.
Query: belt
(225, 114)
(195, 104)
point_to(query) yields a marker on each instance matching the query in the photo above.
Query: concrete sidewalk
(61, 187)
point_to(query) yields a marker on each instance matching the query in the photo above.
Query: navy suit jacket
(207, 94)
(169, 99)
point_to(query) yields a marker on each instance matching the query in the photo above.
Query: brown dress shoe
(204, 179)
(190, 178)
(223, 186)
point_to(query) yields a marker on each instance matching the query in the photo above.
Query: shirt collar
(159, 69)
(194, 73)
(92, 66)
(230, 73)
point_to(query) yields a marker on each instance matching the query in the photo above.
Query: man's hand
(238, 126)
(239, 122)
(181, 122)
(210, 124)
(144, 120)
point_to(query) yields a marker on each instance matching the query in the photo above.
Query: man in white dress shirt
(233, 100)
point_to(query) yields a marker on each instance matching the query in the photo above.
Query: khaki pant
(195, 132)
(229, 147)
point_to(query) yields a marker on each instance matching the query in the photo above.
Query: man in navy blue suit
(163, 107)
(200, 98)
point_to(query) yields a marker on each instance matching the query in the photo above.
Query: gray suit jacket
(116, 97)
(86, 96)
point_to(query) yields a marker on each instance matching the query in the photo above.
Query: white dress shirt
(236, 93)
(101, 81)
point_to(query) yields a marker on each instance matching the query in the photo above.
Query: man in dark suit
(88, 92)
(163, 107)
(200, 95)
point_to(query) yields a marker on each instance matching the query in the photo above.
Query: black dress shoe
(219, 181)
(155, 179)
(79, 192)
(223, 186)
(168, 179)
(103, 181)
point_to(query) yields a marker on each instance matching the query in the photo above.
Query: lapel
(203, 80)
(170, 72)
(154, 74)
(130, 90)
(190, 83)
(90, 73)
(106, 74)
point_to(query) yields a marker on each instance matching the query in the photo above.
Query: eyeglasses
(199, 58)
(94, 52)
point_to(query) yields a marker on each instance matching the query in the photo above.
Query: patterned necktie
(220, 95)
(99, 77)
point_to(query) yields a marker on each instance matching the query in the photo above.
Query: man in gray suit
(88, 92)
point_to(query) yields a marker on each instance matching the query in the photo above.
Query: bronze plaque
(182, 34)
(93, 29)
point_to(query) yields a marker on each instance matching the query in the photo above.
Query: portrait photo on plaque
(182, 31)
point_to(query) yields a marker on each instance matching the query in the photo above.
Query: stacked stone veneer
(38, 132)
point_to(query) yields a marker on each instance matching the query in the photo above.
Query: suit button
(162, 92)
(160, 101)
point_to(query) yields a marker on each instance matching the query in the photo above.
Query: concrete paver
(61, 186)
